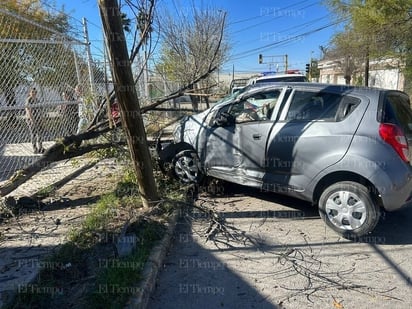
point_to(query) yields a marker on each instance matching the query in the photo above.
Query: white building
(385, 73)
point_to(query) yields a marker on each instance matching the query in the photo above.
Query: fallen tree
(73, 146)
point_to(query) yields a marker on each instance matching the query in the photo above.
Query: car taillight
(394, 136)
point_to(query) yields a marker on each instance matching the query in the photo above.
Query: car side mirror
(223, 119)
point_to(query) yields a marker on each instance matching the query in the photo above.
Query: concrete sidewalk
(16, 156)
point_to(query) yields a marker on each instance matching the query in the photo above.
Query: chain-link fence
(39, 71)
(50, 88)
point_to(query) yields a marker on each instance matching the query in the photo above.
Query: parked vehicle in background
(273, 78)
(342, 148)
(238, 84)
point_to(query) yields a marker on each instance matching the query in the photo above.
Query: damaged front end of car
(177, 157)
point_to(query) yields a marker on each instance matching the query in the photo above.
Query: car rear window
(397, 110)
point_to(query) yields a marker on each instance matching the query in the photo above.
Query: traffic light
(307, 68)
(260, 58)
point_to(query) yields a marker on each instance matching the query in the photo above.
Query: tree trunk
(64, 149)
(348, 70)
(125, 90)
(367, 69)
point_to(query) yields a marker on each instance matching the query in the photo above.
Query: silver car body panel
(292, 157)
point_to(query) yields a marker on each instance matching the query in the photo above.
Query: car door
(314, 131)
(235, 151)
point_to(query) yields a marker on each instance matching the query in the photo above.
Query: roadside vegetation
(101, 263)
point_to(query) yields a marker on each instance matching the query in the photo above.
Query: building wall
(226, 78)
(381, 74)
(388, 78)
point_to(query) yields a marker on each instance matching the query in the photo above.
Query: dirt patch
(35, 231)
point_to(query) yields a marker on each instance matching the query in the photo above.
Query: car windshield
(231, 96)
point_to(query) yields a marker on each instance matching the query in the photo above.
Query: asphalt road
(276, 252)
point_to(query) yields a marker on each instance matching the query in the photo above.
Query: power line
(309, 23)
(271, 20)
(78, 28)
(287, 40)
(256, 17)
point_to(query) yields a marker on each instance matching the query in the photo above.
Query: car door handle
(257, 136)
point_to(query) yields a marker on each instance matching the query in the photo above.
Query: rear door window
(309, 106)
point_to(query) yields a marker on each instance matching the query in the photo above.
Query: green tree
(24, 57)
(376, 29)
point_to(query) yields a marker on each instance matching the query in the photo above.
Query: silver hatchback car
(343, 148)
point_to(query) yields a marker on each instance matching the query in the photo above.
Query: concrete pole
(89, 55)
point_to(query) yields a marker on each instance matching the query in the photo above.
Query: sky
(272, 28)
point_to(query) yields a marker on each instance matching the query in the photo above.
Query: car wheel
(349, 209)
(186, 167)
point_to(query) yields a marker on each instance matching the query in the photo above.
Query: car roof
(317, 86)
(335, 88)
(272, 76)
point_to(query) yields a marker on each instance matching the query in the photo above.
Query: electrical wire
(304, 34)
(279, 33)
(272, 19)
(289, 38)
(260, 16)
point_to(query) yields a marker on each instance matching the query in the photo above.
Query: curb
(153, 266)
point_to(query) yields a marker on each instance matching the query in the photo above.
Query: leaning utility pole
(126, 94)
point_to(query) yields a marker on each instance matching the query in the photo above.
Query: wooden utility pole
(126, 94)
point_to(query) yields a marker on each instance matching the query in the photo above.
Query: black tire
(186, 167)
(349, 209)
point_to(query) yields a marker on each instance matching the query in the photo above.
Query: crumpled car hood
(189, 127)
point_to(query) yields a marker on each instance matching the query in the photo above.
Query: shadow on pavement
(193, 277)
(394, 228)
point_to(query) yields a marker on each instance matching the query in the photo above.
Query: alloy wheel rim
(186, 169)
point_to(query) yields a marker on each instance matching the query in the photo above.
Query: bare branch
(65, 149)
(145, 33)
(177, 93)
